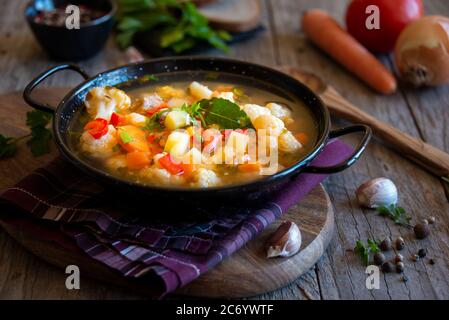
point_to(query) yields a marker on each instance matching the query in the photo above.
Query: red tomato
(393, 17)
(117, 119)
(97, 128)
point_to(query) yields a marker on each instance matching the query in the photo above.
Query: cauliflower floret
(224, 95)
(101, 102)
(149, 101)
(200, 91)
(273, 125)
(204, 178)
(288, 143)
(99, 148)
(253, 111)
(160, 176)
(136, 119)
(279, 111)
(116, 162)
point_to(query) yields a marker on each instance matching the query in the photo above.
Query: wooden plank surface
(339, 274)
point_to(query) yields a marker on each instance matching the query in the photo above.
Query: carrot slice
(302, 137)
(137, 160)
(327, 34)
(132, 139)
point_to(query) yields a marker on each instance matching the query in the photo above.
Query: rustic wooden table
(339, 274)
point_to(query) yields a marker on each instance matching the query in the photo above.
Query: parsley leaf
(178, 24)
(40, 140)
(8, 147)
(365, 251)
(395, 213)
(40, 136)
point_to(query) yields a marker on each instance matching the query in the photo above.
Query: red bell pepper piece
(97, 128)
(170, 166)
(117, 119)
(154, 110)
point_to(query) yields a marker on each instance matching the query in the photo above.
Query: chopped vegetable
(172, 167)
(137, 160)
(97, 128)
(176, 25)
(156, 109)
(326, 33)
(249, 167)
(117, 119)
(132, 139)
(177, 119)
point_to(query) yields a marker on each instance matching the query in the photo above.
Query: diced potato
(200, 91)
(224, 95)
(253, 111)
(177, 144)
(273, 125)
(177, 119)
(279, 111)
(238, 142)
(136, 119)
(288, 143)
(194, 156)
(177, 102)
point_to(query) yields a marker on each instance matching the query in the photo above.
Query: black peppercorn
(379, 259)
(422, 253)
(421, 230)
(400, 267)
(387, 267)
(431, 262)
(385, 245)
(400, 243)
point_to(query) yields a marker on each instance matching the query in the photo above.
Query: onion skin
(422, 52)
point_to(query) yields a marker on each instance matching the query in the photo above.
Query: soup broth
(194, 134)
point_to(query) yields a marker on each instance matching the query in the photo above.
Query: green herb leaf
(395, 213)
(365, 251)
(37, 118)
(225, 113)
(40, 136)
(40, 141)
(8, 147)
(125, 137)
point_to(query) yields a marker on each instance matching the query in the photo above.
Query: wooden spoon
(427, 156)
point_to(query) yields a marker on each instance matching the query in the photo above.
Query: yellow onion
(422, 51)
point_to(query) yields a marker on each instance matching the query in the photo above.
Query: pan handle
(354, 157)
(33, 84)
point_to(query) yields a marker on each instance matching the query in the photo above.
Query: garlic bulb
(285, 241)
(376, 193)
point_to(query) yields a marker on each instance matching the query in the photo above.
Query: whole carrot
(327, 34)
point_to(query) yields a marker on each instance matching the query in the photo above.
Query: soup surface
(192, 134)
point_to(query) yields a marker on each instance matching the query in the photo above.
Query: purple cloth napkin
(89, 221)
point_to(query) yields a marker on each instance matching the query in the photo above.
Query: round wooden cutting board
(246, 273)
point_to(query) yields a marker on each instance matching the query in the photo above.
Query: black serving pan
(197, 67)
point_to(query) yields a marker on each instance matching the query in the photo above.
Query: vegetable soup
(193, 134)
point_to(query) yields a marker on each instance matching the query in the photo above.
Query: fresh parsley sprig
(395, 213)
(39, 138)
(178, 25)
(365, 251)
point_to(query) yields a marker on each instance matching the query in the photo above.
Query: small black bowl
(72, 44)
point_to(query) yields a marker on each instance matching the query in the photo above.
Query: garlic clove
(285, 241)
(377, 192)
